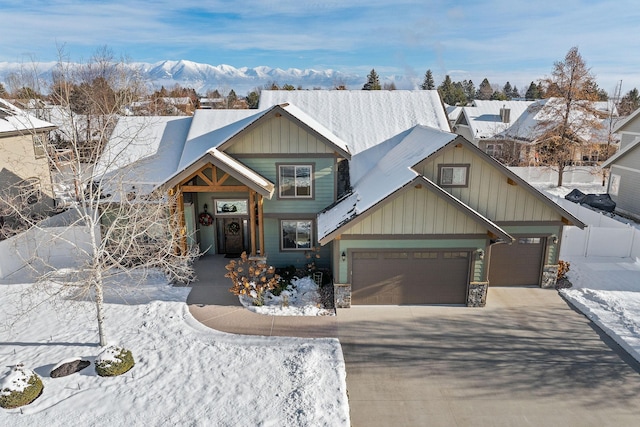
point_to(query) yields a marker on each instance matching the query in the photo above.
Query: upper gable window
(295, 181)
(453, 175)
(39, 146)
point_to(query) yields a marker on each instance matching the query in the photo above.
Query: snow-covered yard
(185, 373)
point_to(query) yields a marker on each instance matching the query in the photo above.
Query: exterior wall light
(480, 253)
(343, 256)
(554, 239)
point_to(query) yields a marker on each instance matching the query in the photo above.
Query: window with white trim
(453, 175)
(295, 181)
(296, 234)
(39, 146)
(614, 184)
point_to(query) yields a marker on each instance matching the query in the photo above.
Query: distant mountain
(203, 77)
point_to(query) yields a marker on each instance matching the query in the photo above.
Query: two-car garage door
(410, 277)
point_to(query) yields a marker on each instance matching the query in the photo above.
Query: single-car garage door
(517, 264)
(409, 277)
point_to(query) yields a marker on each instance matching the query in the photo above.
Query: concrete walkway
(211, 303)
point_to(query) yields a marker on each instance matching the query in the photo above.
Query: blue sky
(516, 41)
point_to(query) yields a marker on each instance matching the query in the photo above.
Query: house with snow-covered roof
(25, 178)
(484, 123)
(403, 211)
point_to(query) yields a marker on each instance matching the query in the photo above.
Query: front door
(233, 235)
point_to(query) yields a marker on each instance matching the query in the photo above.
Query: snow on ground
(607, 291)
(185, 373)
(554, 190)
(301, 298)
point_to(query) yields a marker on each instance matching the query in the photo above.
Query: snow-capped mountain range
(204, 77)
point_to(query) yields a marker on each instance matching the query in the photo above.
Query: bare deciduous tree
(569, 117)
(131, 227)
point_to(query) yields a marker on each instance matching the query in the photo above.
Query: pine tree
(507, 89)
(428, 83)
(533, 92)
(452, 93)
(373, 81)
(515, 93)
(469, 90)
(485, 90)
(629, 103)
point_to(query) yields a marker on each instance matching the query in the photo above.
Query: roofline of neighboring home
(621, 153)
(31, 131)
(265, 190)
(282, 110)
(419, 179)
(519, 181)
(618, 127)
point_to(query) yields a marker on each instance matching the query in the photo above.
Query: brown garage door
(518, 264)
(415, 277)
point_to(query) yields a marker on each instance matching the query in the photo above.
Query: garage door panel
(409, 277)
(518, 264)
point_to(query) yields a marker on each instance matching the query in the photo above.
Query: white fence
(53, 244)
(572, 175)
(604, 236)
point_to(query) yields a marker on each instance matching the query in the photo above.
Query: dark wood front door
(233, 237)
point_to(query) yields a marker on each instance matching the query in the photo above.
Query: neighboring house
(624, 177)
(484, 123)
(404, 211)
(595, 145)
(25, 179)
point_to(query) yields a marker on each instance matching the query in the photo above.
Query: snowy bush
(251, 278)
(114, 361)
(21, 387)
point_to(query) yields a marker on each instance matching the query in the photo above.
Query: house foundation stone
(342, 295)
(477, 296)
(549, 276)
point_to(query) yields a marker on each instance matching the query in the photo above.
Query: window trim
(312, 168)
(39, 145)
(466, 166)
(297, 220)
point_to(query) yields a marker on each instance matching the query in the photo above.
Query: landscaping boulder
(69, 367)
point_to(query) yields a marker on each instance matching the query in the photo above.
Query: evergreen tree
(373, 81)
(428, 83)
(469, 90)
(498, 96)
(452, 93)
(485, 90)
(515, 93)
(533, 92)
(506, 90)
(253, 99)
(629, 103)
(231, 99)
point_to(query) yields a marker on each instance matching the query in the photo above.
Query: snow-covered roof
(13, 119)
(362, 118)
(144, 150)
(484, 119)
(528, 126)
(453, 112)
(391, 172)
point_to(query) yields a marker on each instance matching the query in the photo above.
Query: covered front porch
(221, 212)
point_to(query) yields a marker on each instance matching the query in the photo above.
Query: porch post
(261, 223)
(177, 209)
(252, 220)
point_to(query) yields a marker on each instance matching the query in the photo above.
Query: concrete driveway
(527, 359)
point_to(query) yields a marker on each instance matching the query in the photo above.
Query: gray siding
(628, 198)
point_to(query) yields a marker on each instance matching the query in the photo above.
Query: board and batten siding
(416, 211)
(278, 135)
(489, 191)
(324, 184)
